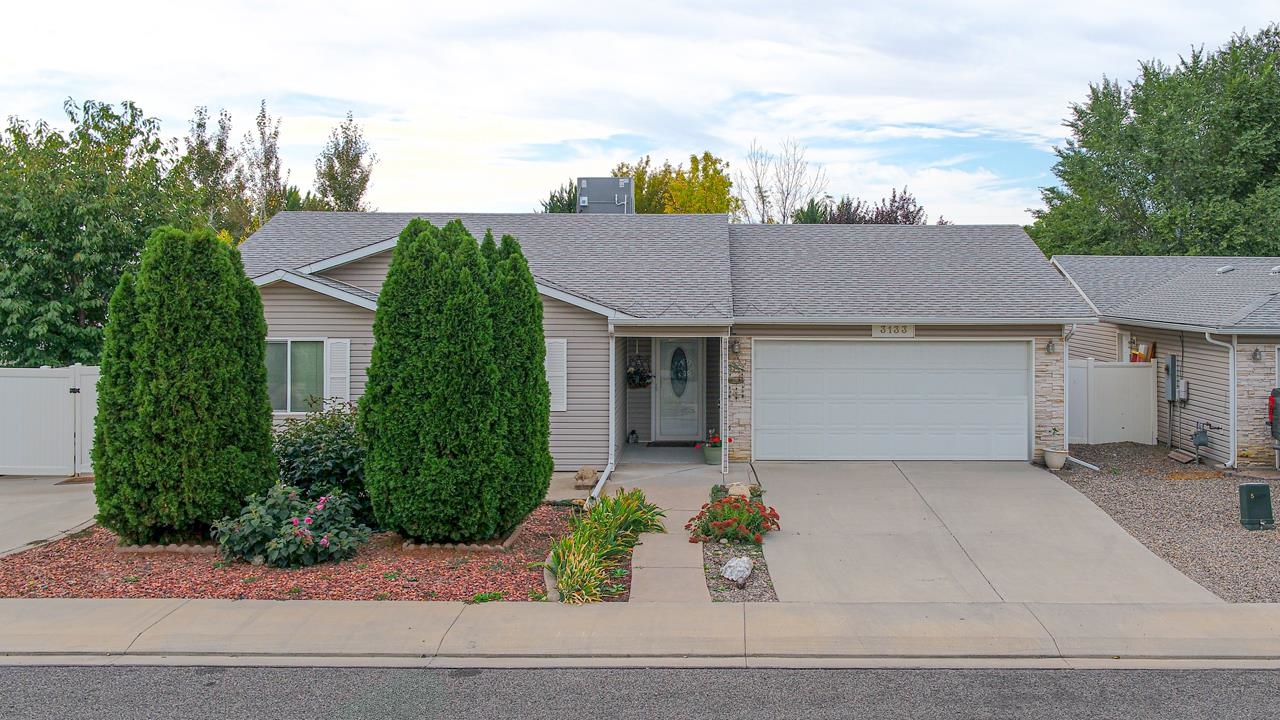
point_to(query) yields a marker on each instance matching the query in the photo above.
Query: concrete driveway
(34, 509)
(952, 532)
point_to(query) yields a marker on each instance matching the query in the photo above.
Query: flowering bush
(732, 518)
(324, 451)
(283, 528)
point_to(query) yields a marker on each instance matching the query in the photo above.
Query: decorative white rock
(737, 570)
(738, 489)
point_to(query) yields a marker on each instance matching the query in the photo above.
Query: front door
(679, 390)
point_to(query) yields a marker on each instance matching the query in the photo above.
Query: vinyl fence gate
(1111, 402)
(46, 420)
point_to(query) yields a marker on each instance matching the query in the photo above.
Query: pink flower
(294, 520)
(324, 541)
(307, 520)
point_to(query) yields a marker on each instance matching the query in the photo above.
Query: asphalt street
(235, 693)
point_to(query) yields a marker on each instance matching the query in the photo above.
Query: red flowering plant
(713, 440)
(733, 518)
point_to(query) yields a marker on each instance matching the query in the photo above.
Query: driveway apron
(952, 532)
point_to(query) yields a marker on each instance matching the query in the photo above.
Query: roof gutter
(1231, 365)
(1138, 322)
(918, 320)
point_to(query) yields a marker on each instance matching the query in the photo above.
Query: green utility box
(1255, 507)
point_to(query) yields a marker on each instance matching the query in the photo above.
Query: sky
(487, 106)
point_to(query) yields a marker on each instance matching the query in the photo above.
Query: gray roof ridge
(1250, 309)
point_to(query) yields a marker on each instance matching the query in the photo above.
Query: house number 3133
(893, 331)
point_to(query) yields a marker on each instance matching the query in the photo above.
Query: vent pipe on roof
(1275, 270)
(1225, 269)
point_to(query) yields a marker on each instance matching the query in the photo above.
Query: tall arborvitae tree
(525, 398)
(194, 372)
(430, 412)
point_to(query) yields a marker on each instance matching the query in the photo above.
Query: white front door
(678, 390)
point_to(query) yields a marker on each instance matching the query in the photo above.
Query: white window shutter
(338, 375)
(557, 373)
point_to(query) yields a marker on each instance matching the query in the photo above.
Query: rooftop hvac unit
(607, 195)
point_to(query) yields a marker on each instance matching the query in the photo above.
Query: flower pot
(1055, 459)
(712, 454)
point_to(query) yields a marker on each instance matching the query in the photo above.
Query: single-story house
(1220, 316)
(801, 342)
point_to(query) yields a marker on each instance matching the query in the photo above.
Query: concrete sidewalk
(808, 634)
(35, 509)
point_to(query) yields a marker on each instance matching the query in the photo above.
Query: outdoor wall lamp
(1257, 354)
(1051, 347)
(735, 346)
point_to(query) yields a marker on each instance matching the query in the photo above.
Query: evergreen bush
(183, 428)
(429, 412)
(323, 452)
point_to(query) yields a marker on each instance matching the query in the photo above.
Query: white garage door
(891, 400)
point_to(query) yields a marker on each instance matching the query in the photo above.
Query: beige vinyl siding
(639, 403)
(620, 398)
(294, 312)
(580, 435)
(713, 384)
(1095, 341)
(1207, 371)
(367, 273)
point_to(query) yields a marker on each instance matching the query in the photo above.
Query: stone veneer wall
(1254, 380)
(1050, 399)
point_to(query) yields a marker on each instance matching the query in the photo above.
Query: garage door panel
(891, 400)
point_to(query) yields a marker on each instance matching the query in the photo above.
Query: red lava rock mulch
(87, 565)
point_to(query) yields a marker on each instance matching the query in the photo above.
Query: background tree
(773, 186)
(430, 410)
(563, 199)
(1183, 160)
(212, 163)
(344, 168)
(295, 200)
(262, 173)
(704, 187)
(897, 209)
(75, 211)
(184, 422)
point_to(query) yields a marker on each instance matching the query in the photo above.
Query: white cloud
(449, 94)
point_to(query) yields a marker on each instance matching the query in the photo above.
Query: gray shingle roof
(703, 267)
(947, 272)
(648, 266)
(1176, 290)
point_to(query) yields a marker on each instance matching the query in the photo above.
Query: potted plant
(638, 373)
(711, 447)
(1054, 458)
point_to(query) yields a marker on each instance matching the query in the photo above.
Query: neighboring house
(1219, 315)
(801, 342)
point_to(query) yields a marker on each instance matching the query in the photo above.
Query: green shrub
(324, 451)
(601, 540)
(732, 518)
(183, 429)
(525, 400)
(430, 411)
(284, 528)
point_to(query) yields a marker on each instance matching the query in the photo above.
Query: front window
(295, 374)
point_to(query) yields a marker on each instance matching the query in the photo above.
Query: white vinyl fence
(1111, 402)
(46, 420)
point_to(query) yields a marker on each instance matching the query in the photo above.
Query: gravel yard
(759, 587)
(1188, 515)
(87, 565)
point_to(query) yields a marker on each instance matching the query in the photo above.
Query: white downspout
(724, 408)
(1066, 389)
(613, 418)
(1231, 368)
